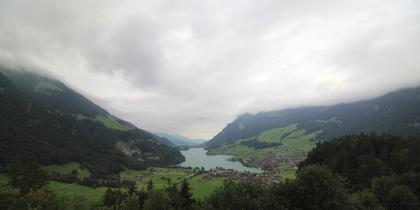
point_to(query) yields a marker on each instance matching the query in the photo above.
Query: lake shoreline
(198, 157)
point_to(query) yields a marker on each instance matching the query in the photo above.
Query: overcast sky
(191, 67)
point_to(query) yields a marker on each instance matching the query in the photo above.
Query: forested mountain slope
(296, 131)
(43, 119)
(396, 113)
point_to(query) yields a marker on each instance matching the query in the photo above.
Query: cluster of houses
(267, 178)
(275, 160)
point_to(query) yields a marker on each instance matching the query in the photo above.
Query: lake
(197, 157)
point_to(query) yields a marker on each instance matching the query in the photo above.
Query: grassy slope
(108, 121)
(294, 141)
(92, 194)
(160, 179)
(301, 140)
(111, 122)
(274, 135)
(45, 87)
(200, 188)
(286, 172)
(67, 169)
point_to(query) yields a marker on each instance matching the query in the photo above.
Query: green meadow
(112, 123)
(287, 172)
(67, 169)
(200, 187)
(165, 176)
(108, 121)
(203, 188)
(67, 189)
(293, 141)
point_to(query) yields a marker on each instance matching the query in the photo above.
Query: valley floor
(163, 177)
(202, 183)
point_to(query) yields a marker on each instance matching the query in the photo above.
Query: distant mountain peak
(178, 139)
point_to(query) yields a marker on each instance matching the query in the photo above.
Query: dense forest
(357, 172)
(44, 120)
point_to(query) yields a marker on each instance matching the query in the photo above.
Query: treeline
(359, 172)
(114, 181)
(360, 158)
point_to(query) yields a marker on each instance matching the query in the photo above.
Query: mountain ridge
(53, 124)
(287, 135)
(309, 109)
(180, 140)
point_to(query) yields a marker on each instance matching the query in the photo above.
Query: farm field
(70, 189)
(200, 187)
(203, 188)
(68, 169)
(162, 177)
(287, 172)
(67, 189)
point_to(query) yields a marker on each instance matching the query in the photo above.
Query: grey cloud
(190, 67)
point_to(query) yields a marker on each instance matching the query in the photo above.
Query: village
(275, 160)
(268, 177)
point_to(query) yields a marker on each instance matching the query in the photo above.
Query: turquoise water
(197, 157)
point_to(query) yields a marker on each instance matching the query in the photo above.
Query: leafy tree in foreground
(114, 197)
(234, 195)
(186, 195)
(366, 200)
(381, 187)
(142, 196)
(175, 198)
(27, 176)
(150, 186)
(130, 203)
(401, 198)
(158, 200)
(315, 188)
(11, 198)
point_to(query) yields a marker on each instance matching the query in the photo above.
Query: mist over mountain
(46, 121)
(397, 113)
(308, 105)
(204, 63)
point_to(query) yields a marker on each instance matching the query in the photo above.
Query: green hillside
(43, 119)
(284, 146)
(67, 169)
(200, 187)
(287, 135)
